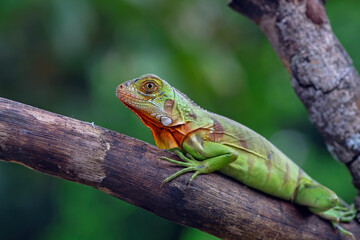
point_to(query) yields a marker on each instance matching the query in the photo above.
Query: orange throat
(165, 137)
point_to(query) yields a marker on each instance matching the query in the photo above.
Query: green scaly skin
(207, 142)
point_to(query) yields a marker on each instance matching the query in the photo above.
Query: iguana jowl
(207, 142)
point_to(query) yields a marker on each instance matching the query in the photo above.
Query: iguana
(207, 142)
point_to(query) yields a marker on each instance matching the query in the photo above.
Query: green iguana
(207, 142)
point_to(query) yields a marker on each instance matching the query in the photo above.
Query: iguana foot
(340, 213)
(190, 164)
(346, 213)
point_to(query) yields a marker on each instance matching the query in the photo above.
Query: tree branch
(130, 169)
(321, 71)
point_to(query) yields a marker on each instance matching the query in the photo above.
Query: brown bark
(321, 71)
(130, 169)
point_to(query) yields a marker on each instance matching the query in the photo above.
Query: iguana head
(150, 97)
(160, 107)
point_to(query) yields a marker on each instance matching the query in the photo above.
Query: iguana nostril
(119, 90)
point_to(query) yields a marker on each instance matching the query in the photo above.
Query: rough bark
(321, 71)
(130, 169)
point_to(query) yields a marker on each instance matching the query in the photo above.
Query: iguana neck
(189, 118)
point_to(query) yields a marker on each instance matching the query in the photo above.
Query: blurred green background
(68, 56)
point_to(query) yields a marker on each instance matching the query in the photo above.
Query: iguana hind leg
(315, 196)
(324, 203)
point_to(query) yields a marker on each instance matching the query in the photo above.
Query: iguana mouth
(126, 97)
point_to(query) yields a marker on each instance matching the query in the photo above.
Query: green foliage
(68, 57)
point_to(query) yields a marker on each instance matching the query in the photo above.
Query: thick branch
(130, 169)
(321, 71)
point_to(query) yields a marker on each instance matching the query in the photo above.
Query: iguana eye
(149, 87)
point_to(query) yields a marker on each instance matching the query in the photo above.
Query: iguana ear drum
(166, 121)
(168, 105)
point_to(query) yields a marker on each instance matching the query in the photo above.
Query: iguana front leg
(210, 157)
